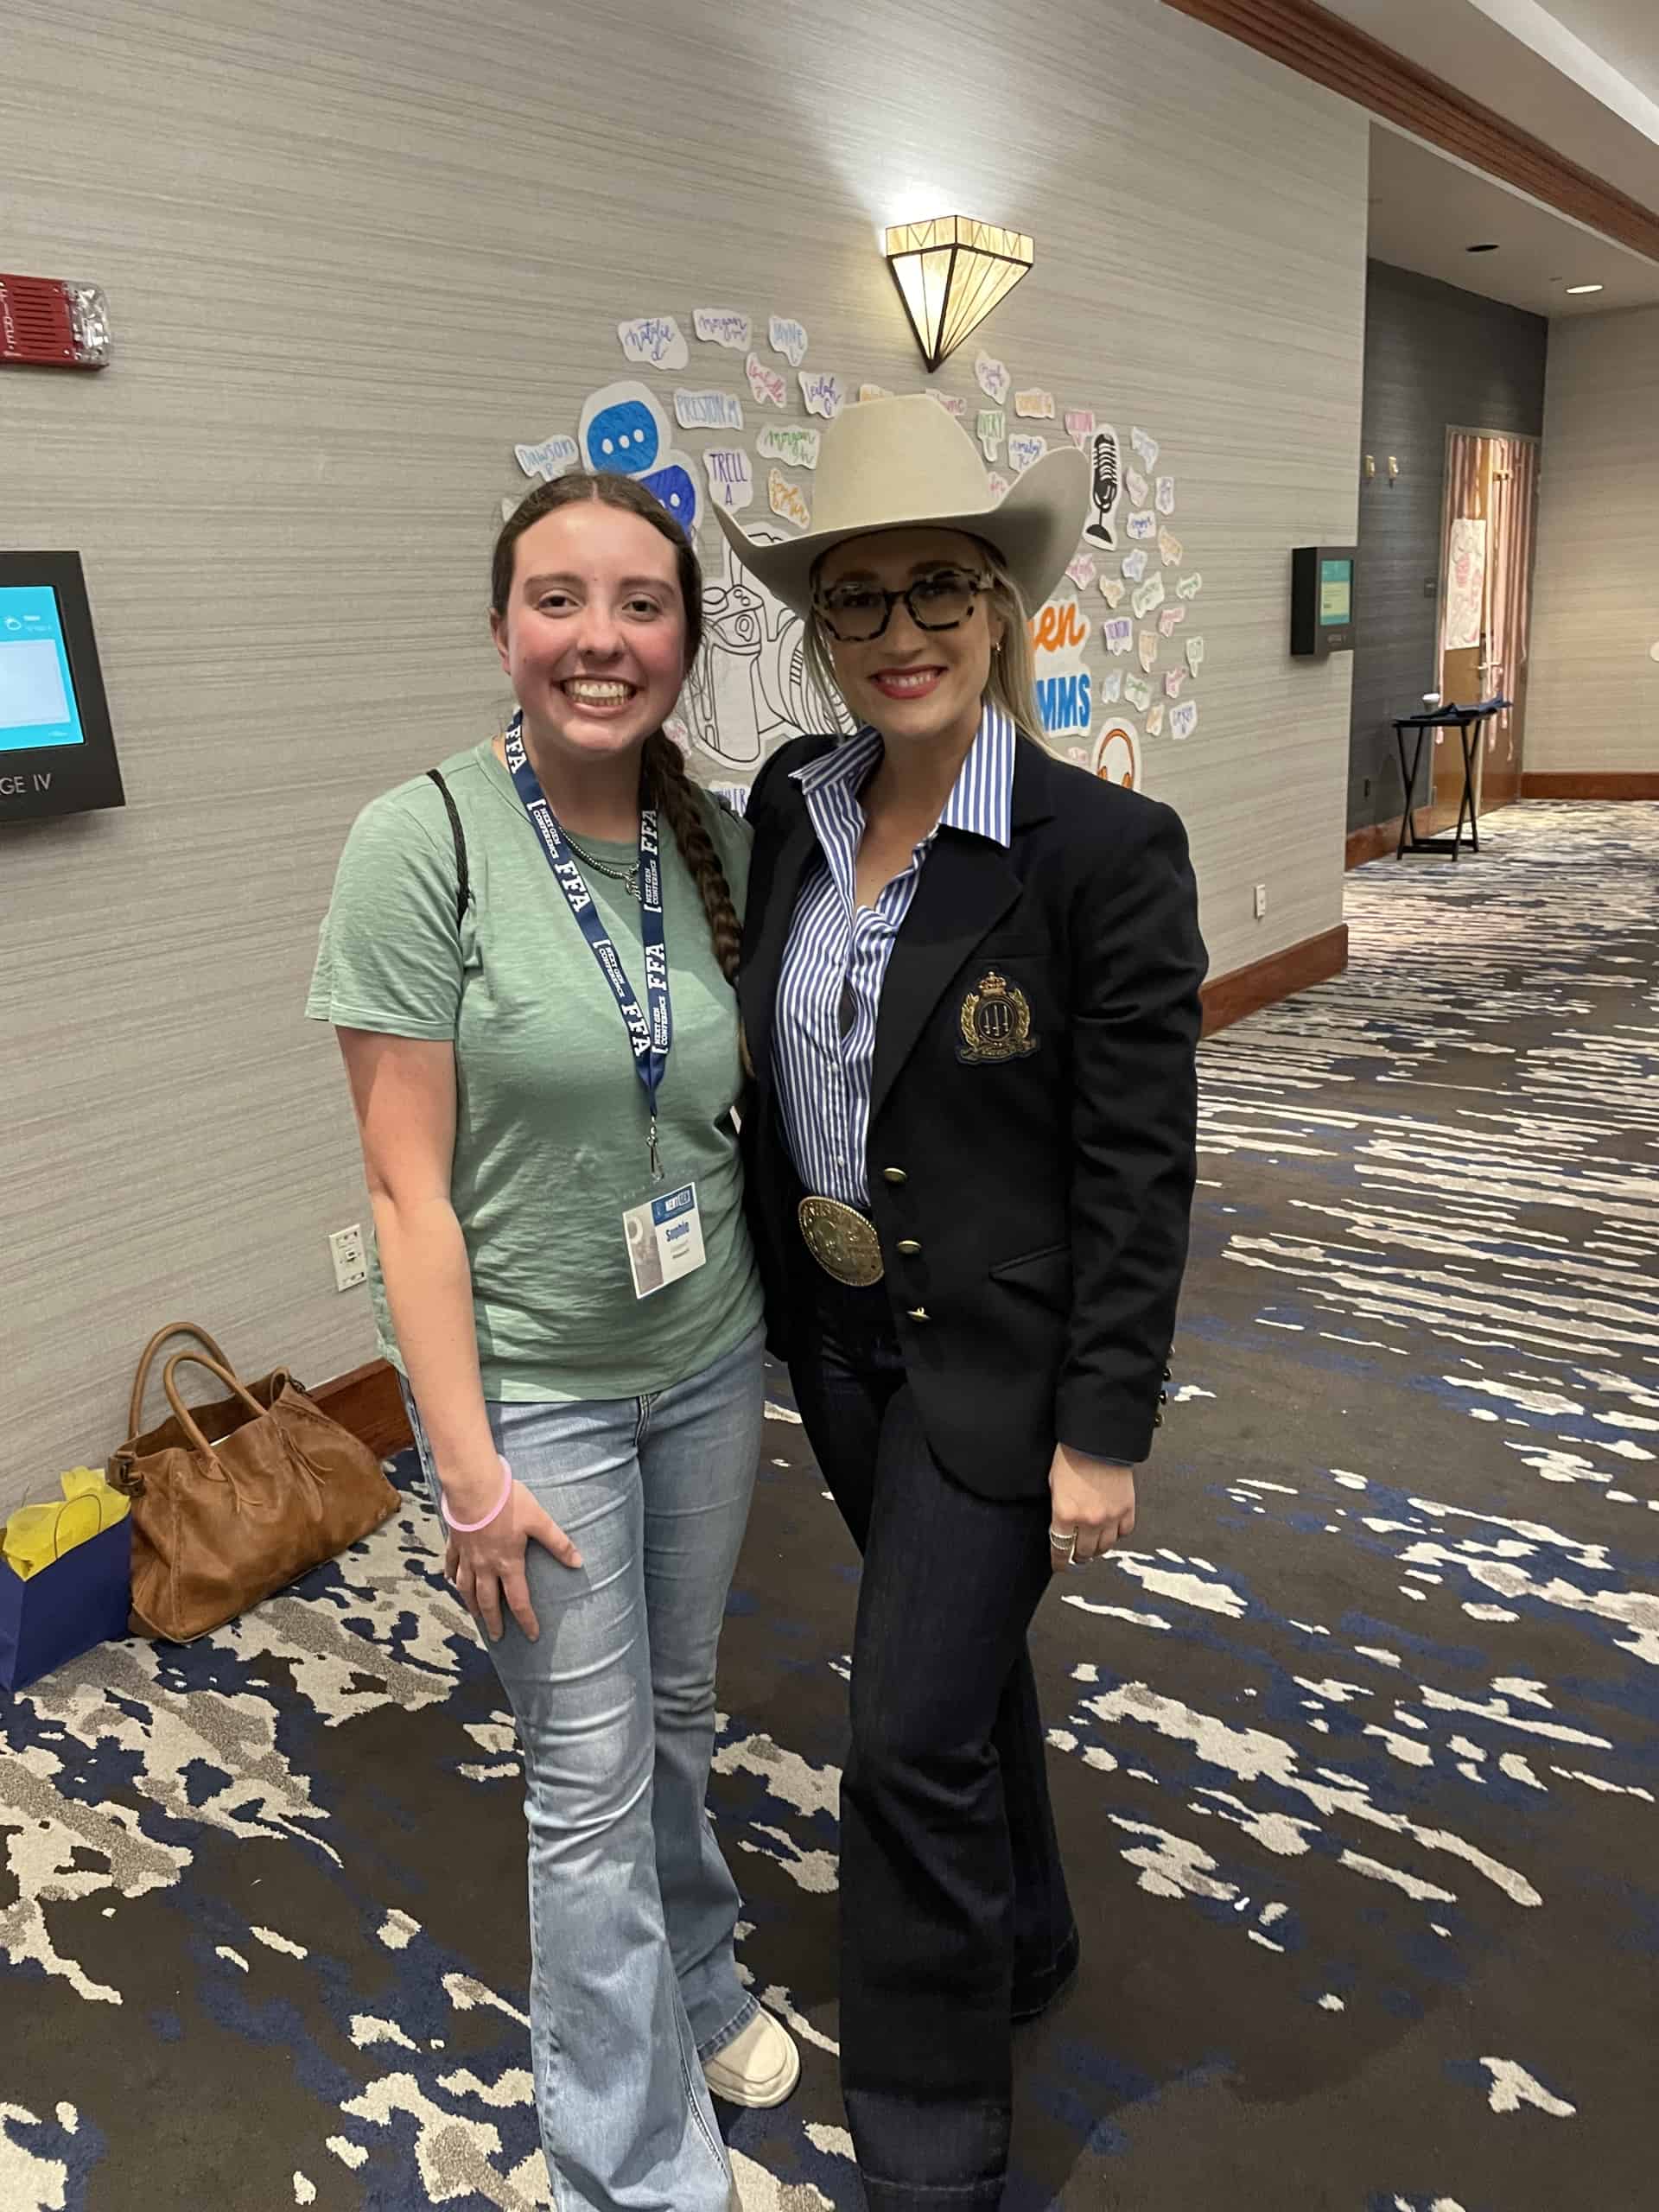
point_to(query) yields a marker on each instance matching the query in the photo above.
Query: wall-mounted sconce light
(1394, 467)
(951, 273)
(1370, 464)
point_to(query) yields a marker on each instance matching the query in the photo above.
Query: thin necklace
(628, 877)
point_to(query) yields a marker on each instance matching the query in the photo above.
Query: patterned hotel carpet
(1357, 1757)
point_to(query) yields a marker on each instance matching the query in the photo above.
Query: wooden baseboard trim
(1229, 998)
(1380, 840)
(1374, 842)
(368, 1402)
(1589, 784)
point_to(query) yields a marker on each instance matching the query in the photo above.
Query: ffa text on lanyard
(664, 1234)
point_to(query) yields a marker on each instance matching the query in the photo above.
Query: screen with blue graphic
(37, 693)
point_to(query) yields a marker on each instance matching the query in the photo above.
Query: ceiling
(1426, 209)
(1624, 32)
(1582, 75)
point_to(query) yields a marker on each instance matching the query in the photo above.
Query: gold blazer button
(892, 1175)
(918, 1313)
(908, 1244)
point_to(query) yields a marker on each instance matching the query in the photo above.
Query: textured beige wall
(352, 256)
(1593, 704)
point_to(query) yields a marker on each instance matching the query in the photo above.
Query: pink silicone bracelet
(470, 1527)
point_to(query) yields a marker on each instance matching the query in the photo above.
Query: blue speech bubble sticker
(623, 430)
(675, 487)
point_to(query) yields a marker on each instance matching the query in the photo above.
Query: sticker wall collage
(750, 689)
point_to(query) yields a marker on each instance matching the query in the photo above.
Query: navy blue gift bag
(81, 1599)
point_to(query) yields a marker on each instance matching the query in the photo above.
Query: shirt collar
(982, 799)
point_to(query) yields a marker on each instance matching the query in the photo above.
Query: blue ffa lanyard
(651, 1034)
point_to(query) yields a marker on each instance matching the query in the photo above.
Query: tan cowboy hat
(887, 464)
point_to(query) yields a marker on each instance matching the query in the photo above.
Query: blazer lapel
(966, 885)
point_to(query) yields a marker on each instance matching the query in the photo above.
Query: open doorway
(1489, 532)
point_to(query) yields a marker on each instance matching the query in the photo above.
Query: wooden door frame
(1473, 430)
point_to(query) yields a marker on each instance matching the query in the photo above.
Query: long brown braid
(667, 785)
(672, 793)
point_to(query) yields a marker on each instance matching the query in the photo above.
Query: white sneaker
(758, 2068)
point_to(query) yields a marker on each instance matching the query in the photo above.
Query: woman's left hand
(1091, 1499)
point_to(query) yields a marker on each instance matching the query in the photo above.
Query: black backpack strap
(463, 887)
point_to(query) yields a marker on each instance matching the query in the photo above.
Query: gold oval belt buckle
(842, 1241)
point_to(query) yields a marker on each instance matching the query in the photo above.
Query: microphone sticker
(1106, 488)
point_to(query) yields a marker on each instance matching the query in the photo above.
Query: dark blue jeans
(954, 1913)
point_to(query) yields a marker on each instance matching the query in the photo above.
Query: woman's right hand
(488, 1565)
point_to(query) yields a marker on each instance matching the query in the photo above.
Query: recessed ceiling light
(1490, 248)
(1585, 288)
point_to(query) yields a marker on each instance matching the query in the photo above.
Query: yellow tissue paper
(37, 1535)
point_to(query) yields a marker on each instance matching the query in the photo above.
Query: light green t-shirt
(550, 1117)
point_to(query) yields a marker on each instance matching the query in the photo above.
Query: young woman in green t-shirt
(543, 1056)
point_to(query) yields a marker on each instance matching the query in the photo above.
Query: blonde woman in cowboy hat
(970, 989)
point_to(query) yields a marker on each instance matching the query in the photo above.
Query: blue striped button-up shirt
(830, 988)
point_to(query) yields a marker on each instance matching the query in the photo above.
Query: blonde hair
(1011, 683)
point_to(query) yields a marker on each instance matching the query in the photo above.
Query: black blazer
(1048, 1188)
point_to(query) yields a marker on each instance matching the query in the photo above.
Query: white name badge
(665, 1239)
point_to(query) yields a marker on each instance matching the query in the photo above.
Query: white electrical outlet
(351, 1260)
(1261, 902)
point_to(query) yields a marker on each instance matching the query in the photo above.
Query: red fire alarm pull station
(46, 323)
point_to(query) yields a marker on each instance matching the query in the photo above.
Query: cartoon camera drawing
(750, 688)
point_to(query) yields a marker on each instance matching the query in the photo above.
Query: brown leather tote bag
(234, 1500)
